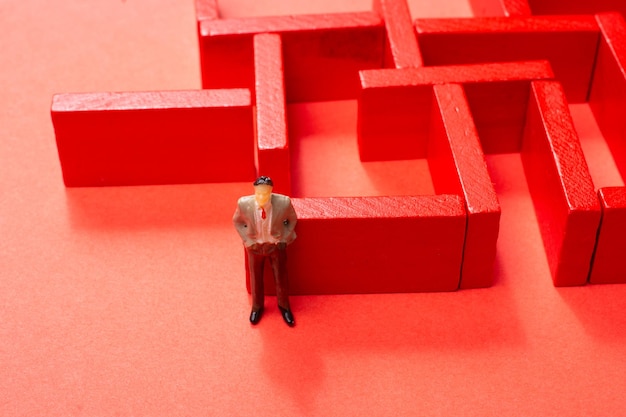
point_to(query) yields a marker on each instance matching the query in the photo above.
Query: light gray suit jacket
(283, 221)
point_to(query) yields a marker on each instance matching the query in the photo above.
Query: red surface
(167, 137)
(127, 301)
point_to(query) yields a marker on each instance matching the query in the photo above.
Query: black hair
(262, 180)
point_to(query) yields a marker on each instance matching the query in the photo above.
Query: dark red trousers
(277, 256)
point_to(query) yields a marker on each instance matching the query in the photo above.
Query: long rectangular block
(572, 7)
(558, 178)
(401, 44)
(272, 145)
(457, 166)
(142, 138)
(609, 262)
(377, 245)
(568, 43)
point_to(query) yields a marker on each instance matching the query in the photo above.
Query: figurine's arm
(243, 227)
(289, 223)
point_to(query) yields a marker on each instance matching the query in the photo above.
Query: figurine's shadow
(290, 360)
(305, 362)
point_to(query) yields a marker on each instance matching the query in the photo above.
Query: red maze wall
(445, 90)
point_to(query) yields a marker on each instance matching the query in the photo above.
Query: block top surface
(151, 100)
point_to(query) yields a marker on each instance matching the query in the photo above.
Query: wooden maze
(445, 90)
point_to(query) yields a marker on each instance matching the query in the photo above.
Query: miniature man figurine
(266, 222)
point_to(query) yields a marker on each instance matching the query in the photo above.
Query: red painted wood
(560, 7)
(607, 99)
(394, 106)
(271, 119)
(545, 7)
(322, 54)
(377, 245)
(154, 137)
(458, 166)
(402, 50)
(558, 178)
(569, 43)
(609, 262)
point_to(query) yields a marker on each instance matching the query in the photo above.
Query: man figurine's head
(263, 190)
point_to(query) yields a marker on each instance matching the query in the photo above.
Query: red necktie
(263, 215)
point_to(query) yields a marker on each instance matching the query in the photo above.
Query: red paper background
(132, 301)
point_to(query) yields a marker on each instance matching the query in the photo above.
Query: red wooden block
(569, 43)
(560, 7)
(607, 99)
(609, 262)
(457, 166)
(154, 137)
(322, 53)
(377, 245)
(271, 119)
(394, 106)
(401, 46)
(563, 194)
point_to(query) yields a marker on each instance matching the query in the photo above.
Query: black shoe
(255, 316)
(287, 316)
